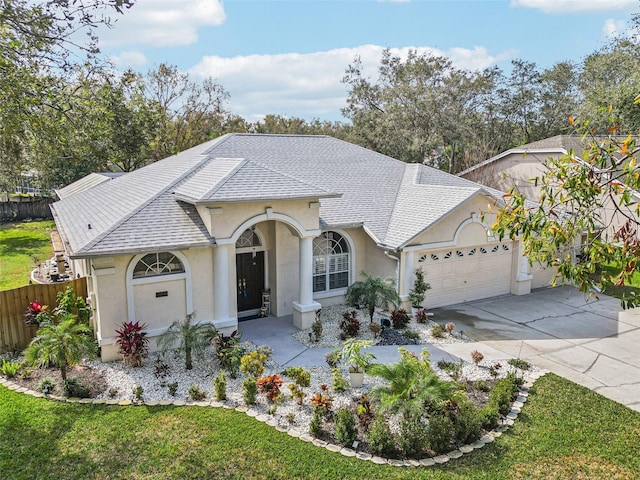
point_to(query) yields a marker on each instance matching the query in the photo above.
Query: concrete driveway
(593, 343)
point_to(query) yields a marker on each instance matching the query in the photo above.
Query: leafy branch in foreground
(587, 216)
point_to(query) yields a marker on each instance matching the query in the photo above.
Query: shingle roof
(85, 183)
(153, 208)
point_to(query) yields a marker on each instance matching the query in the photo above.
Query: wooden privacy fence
(14, 333)
(12, 211)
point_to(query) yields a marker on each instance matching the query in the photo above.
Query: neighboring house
(212, 228)
(519, 166)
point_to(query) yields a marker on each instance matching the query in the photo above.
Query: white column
(408, 276)
(221, 287)
(306, 275)
(304, 310)
(521, 278)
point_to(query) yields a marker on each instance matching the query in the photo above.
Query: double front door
(250, 280)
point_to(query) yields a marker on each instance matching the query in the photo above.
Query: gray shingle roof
(152, 208)
(85, 183)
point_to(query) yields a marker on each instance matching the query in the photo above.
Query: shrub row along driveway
(591, 342)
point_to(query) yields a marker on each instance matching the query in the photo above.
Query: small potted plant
(418, 292)
(352, 357)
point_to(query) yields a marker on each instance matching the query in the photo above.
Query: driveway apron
(591, 342)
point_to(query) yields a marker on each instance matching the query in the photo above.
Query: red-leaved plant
(133, 343)
(35, 313)
(270, 385)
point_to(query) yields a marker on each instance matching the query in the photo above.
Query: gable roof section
(426, 195)
(153, 208)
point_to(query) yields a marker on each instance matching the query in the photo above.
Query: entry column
(222, 286)
(304, 311)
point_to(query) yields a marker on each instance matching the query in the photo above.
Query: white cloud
(575, 6)
(308, 85)
(128, 59)
(615, 28)
(163, 23)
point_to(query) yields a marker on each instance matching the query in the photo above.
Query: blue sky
(288, 57)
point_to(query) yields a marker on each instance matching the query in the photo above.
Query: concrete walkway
(593, 343)
(287, 351)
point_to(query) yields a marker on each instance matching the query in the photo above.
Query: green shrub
(46, 386)
(412, 334)
(301, 376)
(249, 390)
(332, 358)
(340, 384)
(482, 385)
(345, 430)
(173, 388)
(440, 433)
(196, 394)
(502, 393)
(380, 438)
(454, 369)
(9, 368)
(73, 388)
(488, 417)
(413, 436)
(220, 386)
(137, 392)
(437, 331)
(466, 424)
(519, 363)
(316, 327)
(315, 425)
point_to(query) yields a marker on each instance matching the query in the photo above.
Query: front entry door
(250, 280)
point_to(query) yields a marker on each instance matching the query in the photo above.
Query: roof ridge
(223, 181)
(149, 201)
(291, 177)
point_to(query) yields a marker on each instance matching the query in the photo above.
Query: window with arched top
(155, 264)
(249, 238)
(331, 262)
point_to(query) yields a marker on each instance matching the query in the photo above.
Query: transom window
(330, 262)
(249, 238)
(154, 264)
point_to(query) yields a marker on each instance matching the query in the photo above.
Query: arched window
(330, 262)
(249, 238)
(154, 264)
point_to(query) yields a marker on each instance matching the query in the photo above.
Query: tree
(61, 345)
(189, 113)
(373, 292)
(187, 338)
(572, 227)
(38, 47)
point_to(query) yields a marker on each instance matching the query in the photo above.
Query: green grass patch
(565, 432)
(19, 244)
(628, 291)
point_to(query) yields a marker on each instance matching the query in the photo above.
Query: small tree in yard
(61, 345)
(190, 339)
(373, 292)
(419, 290)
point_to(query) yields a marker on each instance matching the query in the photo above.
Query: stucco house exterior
(208, 230)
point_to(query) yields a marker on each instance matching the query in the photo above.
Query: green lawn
(19, 244)
(565, 432)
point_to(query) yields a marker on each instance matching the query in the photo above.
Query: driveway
(593, 343)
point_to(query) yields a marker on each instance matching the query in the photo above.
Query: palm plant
(413, 385)
(61, 345)
(187, 338)
(373, 292)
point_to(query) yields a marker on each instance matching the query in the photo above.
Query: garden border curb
(507, 422)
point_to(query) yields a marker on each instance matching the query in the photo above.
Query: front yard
(565, 432)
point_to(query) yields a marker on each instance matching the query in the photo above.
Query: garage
(463, 274)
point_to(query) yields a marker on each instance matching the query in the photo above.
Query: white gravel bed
(332, 316)
(122, 380)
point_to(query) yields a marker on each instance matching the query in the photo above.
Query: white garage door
(459, 275)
